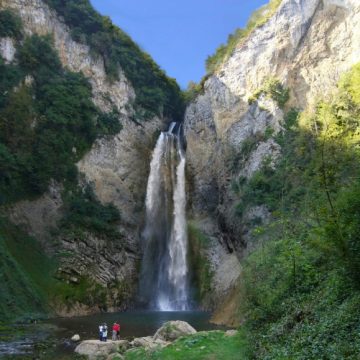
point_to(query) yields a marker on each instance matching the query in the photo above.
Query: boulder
(148, 342)
(75, 338)
(172, 330)
(96, 348)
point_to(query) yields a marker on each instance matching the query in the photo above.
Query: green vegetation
(301, 288)
(200, 346)
(85, 291)
(10, 25)
(273, 89)
(200, 266)
(25, 275)
(84, 213)
(257, 19)
(47, 123)
(194, 89)
(156, 94)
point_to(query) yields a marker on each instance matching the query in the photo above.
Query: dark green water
(51, 340)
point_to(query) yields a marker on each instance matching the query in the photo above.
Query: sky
(179, 34)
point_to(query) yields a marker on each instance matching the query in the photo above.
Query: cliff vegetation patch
(10, 25)
(47, 120)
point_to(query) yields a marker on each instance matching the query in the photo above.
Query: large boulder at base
(96, 348)
(148, 342)
(172, 330)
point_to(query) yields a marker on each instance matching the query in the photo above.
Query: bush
(10, 25)
(109, 123)
(343, 231)
(84, 211)
(273, 89)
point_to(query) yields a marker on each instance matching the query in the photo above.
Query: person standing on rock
(116, 331)
(101, 332)
(104, 332)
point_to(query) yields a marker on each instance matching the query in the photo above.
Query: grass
(211, 345)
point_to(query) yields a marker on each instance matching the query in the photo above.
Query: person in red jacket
(116, 331)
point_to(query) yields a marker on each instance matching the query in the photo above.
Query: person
(104, 332)
(101, 332)
(116, 331)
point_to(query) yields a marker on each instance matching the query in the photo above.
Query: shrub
(84, 211)
(273, 89)
(10, 24)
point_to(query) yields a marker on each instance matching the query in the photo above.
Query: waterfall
(164, 273)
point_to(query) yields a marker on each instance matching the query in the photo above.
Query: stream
(51, 339)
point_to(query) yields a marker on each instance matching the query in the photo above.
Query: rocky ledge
(110, 350)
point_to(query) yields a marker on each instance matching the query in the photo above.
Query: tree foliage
(10, 25)
(47, 121)
(308, 263)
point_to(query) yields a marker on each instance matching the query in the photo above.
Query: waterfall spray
(164, 276)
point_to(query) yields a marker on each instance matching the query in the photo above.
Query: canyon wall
(116, 168)
(305, 46)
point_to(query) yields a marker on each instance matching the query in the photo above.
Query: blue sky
(180, 34)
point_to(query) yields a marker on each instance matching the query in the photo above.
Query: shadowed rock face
(306, 45)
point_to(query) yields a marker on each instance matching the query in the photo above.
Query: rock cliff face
(306, 45)
(116, 168)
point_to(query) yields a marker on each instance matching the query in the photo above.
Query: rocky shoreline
(164, 336)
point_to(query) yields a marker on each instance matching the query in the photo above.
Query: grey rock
(96, 348)
(172, 330)
(148, 342)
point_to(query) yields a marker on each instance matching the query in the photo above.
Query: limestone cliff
(116, 168)
(306, 45)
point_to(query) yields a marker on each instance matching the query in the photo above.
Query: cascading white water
(164, 276)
